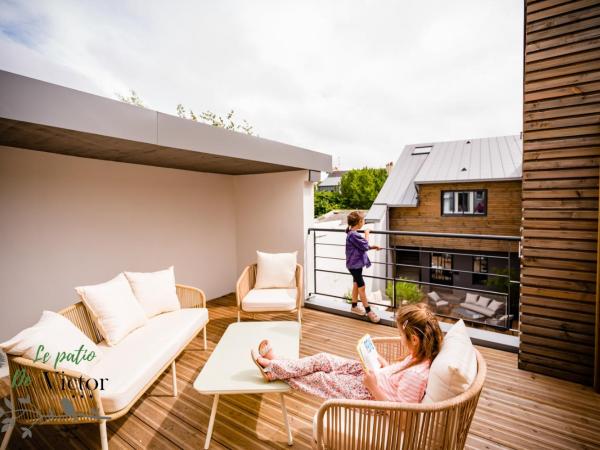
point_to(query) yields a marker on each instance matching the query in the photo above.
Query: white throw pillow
(455, 367)
(64, 345)
(434, 296)
(483, 302)
(495, 305)
(471, 298)
(275, 270)
(155, 291)
(113, 307)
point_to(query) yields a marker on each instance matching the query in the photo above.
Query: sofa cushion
(495, 306)
(138, 358)
(258, 300)
(483, 301)
(113, 307)
(275, 270)
(471, 298)
(60, 337)
(155, 291)
(454, 368)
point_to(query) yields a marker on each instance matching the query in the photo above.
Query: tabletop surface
(230, 369)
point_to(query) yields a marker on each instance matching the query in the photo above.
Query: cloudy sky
(355, 79)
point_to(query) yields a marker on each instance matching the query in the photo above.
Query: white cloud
(356, 79)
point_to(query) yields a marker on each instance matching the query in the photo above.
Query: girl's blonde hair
(418, 320)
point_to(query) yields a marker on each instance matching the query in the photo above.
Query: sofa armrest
(40, 398)
(245, 284)
(190, 297)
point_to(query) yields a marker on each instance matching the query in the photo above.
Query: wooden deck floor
(517, 409)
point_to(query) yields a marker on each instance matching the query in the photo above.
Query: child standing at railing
(357, 258)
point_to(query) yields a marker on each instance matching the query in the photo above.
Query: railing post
(315, 261)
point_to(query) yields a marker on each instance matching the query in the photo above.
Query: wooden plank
(554, 55)
(564, 132)
(560, 174)
(559, 10)
(560, 41)
(567, 326)
(558, 294)
(557, 364)
(560, 214)
(580, 152)
(559, 274)
(560, 194)
(560, 204)
(587, 20)
(567, 356)
(581, 286)
(571, 69)
(561, 225)
(590, 119)
(560, 234)
(557, 313)
(533, 365)
(567, 305)
(557, 334)
(559, 21)
(554, 263)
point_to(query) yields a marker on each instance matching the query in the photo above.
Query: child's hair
(353, 219)
(418, 320)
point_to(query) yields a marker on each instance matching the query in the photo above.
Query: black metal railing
(392, 273)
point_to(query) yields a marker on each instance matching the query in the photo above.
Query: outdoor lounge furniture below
(439, 305)
(230, 369)
(483, 305)
(132, 366)
(252, 300)
(344, 424)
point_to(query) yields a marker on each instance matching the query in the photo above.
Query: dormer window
(425, 150)
(466, 203)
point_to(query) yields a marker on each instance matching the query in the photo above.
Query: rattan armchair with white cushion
(355, 424)
(254, 301)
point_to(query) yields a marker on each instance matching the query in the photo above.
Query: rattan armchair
(369, 425)
(45, 404)
(247, 281)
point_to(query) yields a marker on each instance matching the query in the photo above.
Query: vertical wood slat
(561, 141)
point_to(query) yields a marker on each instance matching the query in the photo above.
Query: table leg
(211, 422)
(285, 419)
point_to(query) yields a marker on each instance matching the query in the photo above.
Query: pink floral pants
(324, 375)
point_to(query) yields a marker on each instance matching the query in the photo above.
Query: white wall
(68, 221)
(273, 212)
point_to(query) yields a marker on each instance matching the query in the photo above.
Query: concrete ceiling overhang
(41, 116)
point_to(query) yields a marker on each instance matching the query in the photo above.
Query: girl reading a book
(330, 376)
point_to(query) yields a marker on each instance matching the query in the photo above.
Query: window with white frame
(472, 203)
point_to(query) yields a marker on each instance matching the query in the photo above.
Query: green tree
(326, 201)
(359, 187)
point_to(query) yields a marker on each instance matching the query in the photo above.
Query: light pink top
(404, 385)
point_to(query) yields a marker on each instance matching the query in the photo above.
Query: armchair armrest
(244, 284)
(49, 396)
(341, 423)
(190, 297)
(299, 285)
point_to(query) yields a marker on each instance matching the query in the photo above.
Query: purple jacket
(356, 251)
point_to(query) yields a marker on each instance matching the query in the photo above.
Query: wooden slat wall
(503, 213)
(560, 188)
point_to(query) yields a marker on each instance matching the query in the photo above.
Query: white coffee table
(230, 370)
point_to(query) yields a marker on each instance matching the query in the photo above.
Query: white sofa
(131, 366)
(484, 305)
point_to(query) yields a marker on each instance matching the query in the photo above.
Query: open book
(368, 354)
